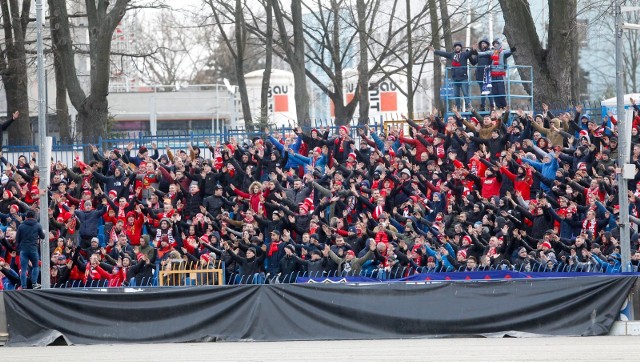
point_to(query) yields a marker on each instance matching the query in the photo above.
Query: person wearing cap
(141, 154)
(315, 139)
(613, 147)
(459, 58)
(349, 265)
(141, 273)
(498, 56)
(316, 160)
(609, 264)
(121, 273)
(482, 67)
(341, 145)
(604, 165)
(94, 247)
(490, 183)
(210, 180)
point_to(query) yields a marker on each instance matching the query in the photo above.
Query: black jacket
(28, 234)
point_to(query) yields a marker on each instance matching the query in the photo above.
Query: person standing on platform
(498, 56)
(459, 59)
(483, 72)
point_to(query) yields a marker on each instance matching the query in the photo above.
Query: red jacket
(134, 231)
(490, 187)
(96, 273)
(522, 185)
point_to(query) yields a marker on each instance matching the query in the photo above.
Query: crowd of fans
(507, 190)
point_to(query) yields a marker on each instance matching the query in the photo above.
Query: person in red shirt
(490, 183)
(133, 226)
(521, 182)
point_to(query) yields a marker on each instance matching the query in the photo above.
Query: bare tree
(447, 36)
(602, 45)
(103, 18)
(175, 47)
(363, 64)
(62, 108)
(437, 68)
(236, 48)
(13, 67)
(554, 67)
(266, 75)
(295, 54)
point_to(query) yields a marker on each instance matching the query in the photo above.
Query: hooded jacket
(28, 234)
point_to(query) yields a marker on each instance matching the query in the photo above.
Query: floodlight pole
(43, 162)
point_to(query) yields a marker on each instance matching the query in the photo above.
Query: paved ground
(456, 349)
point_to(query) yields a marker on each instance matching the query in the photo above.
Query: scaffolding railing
(518, 91)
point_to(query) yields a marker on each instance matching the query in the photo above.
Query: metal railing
(512, 81)
(180, 274)
(189, 275)
(176, 140)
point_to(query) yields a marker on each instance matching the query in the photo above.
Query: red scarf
(273, 248)
(589, 226)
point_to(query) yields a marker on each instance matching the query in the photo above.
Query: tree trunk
(62, 108)
(240, 33)
(14, 75)
(446, 26)
(93, 110)
(363, 65)
(437, 68)
(93, 117)
(552, 67)
(343, 112)
(266, 75)
(409, 67)
(298, 65)
(20, 132)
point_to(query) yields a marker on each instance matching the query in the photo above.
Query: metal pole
(43, 162)
(217, 107)
(623, 154)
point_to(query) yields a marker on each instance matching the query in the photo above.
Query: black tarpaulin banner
(570, 306)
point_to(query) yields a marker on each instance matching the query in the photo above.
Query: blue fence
(370, 274)
(175, 140)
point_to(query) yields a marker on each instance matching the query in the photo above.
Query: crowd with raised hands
(505, 190)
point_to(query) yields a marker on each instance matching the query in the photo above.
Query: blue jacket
(28, 234)
(548, 170)
(606, 267)
(320, 162)
(291, 162)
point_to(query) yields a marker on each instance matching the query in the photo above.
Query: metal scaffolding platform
(518, 92)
